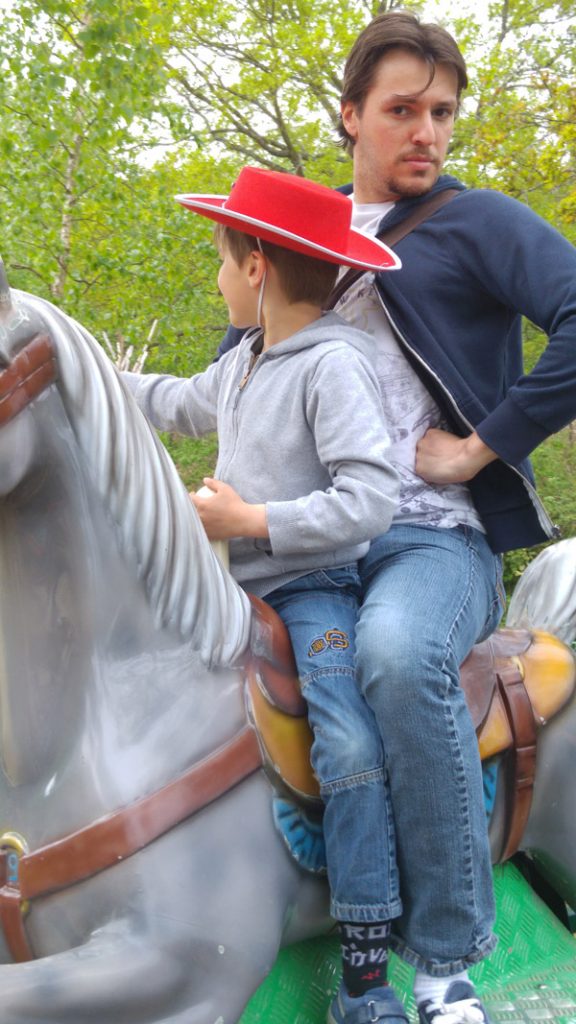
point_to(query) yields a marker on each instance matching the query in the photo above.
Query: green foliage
(195, 457)
(555, 470)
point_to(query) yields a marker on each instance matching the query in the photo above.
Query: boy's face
(240, 296)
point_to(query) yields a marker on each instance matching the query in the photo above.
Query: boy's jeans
(399, 771)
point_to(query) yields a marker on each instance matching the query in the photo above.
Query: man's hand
(443, 458)
(225, 514)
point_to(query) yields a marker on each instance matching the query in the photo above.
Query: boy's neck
(287, 319)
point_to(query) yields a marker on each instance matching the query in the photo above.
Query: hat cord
(261, 292)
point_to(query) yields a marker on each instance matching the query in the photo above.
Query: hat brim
(363, 251)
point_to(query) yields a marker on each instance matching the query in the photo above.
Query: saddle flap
(478, 680)
(272, 659)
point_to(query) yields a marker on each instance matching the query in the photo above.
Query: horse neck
(62, 586)
(86, 678)
(133, 475)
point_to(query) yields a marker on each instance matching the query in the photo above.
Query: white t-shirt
(409, 407)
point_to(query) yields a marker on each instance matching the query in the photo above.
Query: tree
(78, 90)
(260, 78)
(517, 129)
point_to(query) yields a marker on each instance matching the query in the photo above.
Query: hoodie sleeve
(345, 414)
(528, 266)
(184, 405)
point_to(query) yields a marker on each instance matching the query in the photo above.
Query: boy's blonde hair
(303, 278)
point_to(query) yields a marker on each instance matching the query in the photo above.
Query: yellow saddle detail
(286, 741)
(548, 670)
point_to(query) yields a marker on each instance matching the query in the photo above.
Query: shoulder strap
(394, 235)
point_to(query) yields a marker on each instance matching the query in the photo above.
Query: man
(415, 869)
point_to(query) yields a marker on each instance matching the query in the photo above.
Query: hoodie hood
(329, 328)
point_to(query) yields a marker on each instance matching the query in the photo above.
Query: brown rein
(27, 376)
(122, 833)
(112, 839)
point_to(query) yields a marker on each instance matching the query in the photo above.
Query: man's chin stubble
(410, 190)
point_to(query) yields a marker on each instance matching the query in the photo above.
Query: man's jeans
(399, 771)
(429, 595)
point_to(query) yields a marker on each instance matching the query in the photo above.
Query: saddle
(514, 682)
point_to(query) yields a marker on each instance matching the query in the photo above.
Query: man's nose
(424, 130)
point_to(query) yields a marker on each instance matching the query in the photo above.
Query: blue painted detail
(12, 868)
(490, 781)
(302, 835)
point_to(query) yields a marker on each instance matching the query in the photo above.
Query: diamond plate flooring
(530, 978)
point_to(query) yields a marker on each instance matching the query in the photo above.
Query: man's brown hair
(400, 31)
(303, 278)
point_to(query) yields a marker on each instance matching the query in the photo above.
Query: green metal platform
(530, 978)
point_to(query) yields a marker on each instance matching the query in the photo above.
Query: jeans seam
(458, 761)
(441, 970)
(366, 912)
(346, 671)
(366, 778)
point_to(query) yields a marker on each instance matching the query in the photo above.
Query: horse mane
(158, 527)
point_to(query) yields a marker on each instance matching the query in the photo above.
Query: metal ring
(13, 841)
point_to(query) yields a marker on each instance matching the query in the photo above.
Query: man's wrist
(476, 455)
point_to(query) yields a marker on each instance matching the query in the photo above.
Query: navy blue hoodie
(469, 273)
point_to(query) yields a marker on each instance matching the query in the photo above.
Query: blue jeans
(320, 611)
(429, 595)
(396, 755)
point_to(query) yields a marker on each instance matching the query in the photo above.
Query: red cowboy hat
(296, 213)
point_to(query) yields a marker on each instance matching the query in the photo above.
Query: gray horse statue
(143, 873)
(545, 598)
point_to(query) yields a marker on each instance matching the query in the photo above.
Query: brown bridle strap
(520, 761)
(112, 839)
(27, 376)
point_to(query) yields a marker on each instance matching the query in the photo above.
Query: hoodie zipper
(236, 390)
(546, 523)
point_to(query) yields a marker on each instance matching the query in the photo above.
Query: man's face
(402, 133)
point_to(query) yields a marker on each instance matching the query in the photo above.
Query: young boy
(302, 481)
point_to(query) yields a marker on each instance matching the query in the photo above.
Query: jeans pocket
(345, 577)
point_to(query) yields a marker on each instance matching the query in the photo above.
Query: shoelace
(466, 1011)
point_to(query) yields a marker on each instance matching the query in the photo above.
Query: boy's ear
(256, 266)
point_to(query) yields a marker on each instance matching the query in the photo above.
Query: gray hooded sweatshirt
(302, 431)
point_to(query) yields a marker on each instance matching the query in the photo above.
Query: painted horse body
(545, 598)
(116, 626)
(118, 636)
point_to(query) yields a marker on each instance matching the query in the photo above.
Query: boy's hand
(225, 514)
(444, 458)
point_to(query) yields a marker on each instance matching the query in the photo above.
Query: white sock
(427, 987)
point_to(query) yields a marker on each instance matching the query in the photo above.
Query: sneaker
(378, 1004)
(460, 1006)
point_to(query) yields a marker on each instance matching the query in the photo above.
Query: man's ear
(256, 268)
(350, 118)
